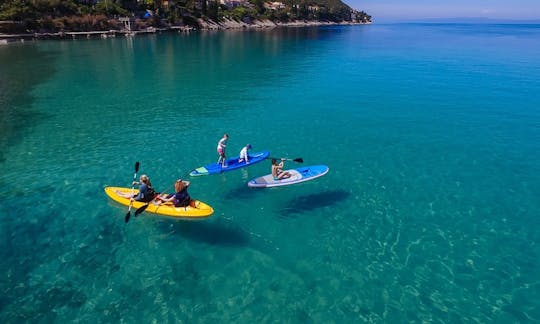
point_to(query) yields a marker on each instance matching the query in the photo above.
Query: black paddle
(128, 215)
(143, 207)
(299, 160)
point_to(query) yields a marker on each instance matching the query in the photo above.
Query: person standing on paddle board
(244, 154)
(277, 170)
(222, 144)
(181, 197)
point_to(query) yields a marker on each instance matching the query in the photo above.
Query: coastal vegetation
(24, 16)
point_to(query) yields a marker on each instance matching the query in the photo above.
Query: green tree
(259, 6)
(213, 10)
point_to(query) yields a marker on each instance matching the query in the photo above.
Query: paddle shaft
(299, 160)
(128, 215)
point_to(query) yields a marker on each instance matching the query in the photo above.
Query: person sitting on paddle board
(244, 154)
(146, 191)
(181, 197)
(222, 144)
(277, 170)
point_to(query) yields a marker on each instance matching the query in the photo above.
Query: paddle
(128, 215)
(299, 160)
(143, 207)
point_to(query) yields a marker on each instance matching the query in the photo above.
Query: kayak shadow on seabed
(301, 204)
(209, 233)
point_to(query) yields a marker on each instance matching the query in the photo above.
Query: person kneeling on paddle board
(277, 170)
(244, 154)
(181, 197)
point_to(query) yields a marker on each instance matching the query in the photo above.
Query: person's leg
(223, 159)
(284, 175)
(124, 194)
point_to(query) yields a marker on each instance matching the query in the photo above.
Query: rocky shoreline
(226, 24)
(233, 24)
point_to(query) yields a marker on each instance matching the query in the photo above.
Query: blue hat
(248, 146)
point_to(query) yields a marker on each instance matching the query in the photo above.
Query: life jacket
(182, 198)
(150, 194)
(147, 195)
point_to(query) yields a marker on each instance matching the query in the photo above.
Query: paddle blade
(299, 160)
(140, 210)
(137, 166)
(128, 215)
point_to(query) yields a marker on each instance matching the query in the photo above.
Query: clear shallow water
(429, 212)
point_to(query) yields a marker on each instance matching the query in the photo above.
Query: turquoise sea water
(430, 211)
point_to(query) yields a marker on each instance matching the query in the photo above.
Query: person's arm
(143, 189)
(165, 199)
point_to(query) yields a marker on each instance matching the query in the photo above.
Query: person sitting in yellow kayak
(180, 198)
(146, 191)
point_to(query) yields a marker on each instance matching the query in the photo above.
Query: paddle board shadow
(209, 233)
(306, 203)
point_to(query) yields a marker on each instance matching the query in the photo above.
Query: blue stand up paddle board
(297, 175)
(230, 164)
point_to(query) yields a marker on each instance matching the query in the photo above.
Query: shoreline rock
(226, 24)
(233, 24)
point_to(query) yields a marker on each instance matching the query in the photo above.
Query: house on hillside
(234, 3)
(274, 5)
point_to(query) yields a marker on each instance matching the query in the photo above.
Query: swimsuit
(220, 147)
(278, 172)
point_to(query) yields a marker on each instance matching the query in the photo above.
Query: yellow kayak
(198, 211)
